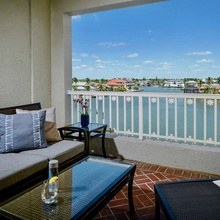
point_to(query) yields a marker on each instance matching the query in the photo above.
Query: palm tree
(87, 88)
(74, 87)
(199, 82)
(87, 80)
(209, 81)
(75, 80)
(215, 91)
(207, 90)
(102, 81)
(100, 87)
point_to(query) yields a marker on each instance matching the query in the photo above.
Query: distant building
(116, 83)
(191, 87)
(174, 83)
(80, 86)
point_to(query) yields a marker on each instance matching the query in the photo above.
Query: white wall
(15, 60)
(25, 67)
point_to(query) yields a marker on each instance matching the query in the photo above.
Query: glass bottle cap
(53, 163)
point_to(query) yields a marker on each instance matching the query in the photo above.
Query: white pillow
(50, 113)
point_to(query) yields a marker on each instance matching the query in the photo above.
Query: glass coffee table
(85, 188)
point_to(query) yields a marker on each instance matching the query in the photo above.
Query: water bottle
(51, 186)
(53, 169)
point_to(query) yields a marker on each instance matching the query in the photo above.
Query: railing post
(141, 117)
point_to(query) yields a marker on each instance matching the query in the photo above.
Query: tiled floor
(143, 192)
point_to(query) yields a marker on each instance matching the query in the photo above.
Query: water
(161, 89)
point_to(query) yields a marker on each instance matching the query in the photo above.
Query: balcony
(170, 137)
(177, 130)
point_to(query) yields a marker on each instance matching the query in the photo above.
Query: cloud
(77, 17)
(95, 17)
(84, 55)
(101, 66)
(165, 66)
(76, 60)
(204, 61)
(198, 70)
(201, 53)
(94, 56)
(148, 62)
(103, 61)
(112, 44)
(132, 55)
(76, 67)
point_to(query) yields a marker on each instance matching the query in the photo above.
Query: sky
(171, 39)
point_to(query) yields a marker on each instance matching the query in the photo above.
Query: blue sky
(172, 39)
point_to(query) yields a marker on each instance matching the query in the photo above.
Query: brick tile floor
(143, 192)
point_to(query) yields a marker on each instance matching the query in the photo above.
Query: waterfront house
(80, 86)
(115, 83)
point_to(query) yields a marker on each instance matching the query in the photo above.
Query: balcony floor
(143, 191)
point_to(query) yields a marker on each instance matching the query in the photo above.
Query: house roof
(115, 82)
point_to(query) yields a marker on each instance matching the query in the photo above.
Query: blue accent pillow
(21, 132)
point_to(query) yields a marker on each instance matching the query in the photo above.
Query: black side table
(76, 131)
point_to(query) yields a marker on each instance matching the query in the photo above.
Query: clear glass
(49, 192)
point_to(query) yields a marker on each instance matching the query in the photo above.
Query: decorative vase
(84, 120)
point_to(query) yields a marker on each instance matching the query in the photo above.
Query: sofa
(22, 167)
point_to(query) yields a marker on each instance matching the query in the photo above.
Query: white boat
(174, 84)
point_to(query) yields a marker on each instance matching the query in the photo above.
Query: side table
(76, 131)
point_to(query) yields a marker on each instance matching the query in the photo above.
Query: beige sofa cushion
(15, 167)
(61, 151)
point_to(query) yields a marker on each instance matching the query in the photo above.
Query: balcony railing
(191, 118)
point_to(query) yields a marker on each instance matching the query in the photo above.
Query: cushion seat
(62, 151)
(15, 167)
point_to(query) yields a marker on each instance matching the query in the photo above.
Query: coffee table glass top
(80, 187)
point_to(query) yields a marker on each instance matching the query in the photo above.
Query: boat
(174, 83)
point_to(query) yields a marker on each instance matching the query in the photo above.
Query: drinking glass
(49, 192)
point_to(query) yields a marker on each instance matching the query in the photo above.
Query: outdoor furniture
(85, 188)
(93, 130)
(188, 200)
(19, 171)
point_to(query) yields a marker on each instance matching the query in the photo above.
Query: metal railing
(193, 118)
